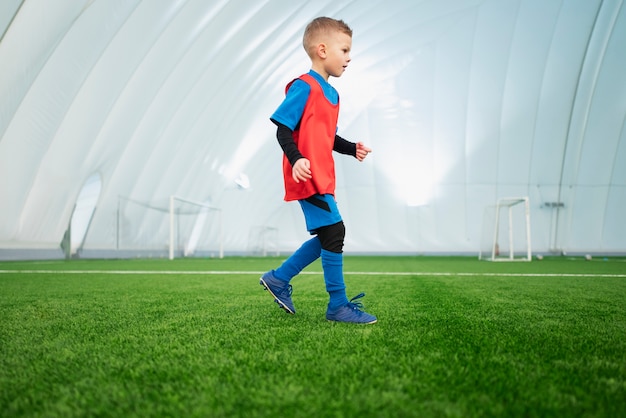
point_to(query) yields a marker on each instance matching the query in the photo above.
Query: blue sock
(332, 263)
(305, 255)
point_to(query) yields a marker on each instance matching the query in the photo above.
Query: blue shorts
(319, 211)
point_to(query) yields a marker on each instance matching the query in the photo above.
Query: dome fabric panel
(463, 102)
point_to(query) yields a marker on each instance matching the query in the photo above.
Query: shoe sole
(350, 322)
(281, 305)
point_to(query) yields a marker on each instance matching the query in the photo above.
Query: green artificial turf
(456, 337)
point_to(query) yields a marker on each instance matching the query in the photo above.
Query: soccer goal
(506, 231)
(186, 241)
(263, 240)
(169, 227)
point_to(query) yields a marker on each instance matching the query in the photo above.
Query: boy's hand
(362, 151)
(301, 170)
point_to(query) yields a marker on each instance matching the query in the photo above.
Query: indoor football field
(456, 337)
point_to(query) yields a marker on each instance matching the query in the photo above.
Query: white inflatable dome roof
(108, 108)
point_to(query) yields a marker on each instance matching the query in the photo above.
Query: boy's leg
(332, 263)
(339, 308)
(277, 281)
(322, 217)
(305, 255)
(331, 238)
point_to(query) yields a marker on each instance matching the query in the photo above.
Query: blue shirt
(291, 109)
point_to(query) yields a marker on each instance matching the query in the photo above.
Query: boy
(306, 130)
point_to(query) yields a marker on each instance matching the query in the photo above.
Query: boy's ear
(321, 50)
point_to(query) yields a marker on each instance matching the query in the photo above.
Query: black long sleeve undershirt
(285, 139)
(343, 146)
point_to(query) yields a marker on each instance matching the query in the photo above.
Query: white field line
(351, 273)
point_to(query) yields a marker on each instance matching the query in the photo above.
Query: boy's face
(335, 53)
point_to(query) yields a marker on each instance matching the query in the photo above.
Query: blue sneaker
(280, 290)
(351, 312)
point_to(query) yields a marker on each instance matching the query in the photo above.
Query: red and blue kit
(307, 126)
(310, 110)
(315, 138)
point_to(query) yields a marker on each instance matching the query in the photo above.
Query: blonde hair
(322, 26)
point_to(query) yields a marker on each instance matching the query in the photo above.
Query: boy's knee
(331, 237)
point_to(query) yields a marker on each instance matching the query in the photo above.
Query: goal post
(506, 231)
(198, 225)
(263, 240)
(168, 226)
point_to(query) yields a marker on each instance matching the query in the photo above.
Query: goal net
(172, 227)
(263, 240)
(506, 231)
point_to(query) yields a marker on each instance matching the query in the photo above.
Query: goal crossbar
(172, 214)
(509, 203)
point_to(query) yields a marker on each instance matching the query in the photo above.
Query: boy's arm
(301, 167)
(343, 146)
(358, 150)
(285, 139)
